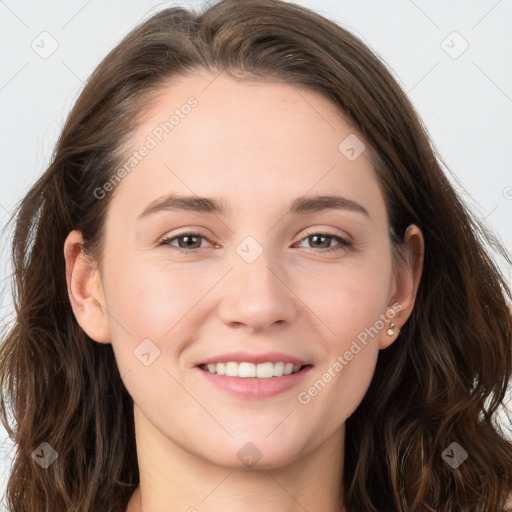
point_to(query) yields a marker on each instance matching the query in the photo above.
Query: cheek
(346, 369)
(148, 293)
(151, 305)
(348, 298)
(351, 312)
(151, 299)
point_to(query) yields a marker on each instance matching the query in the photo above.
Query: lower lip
(254, 387)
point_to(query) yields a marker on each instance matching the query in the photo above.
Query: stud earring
(390, 330)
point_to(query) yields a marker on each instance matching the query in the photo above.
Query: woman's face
(273, 277)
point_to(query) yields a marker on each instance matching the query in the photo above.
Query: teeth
(231, 369)
(247, 370)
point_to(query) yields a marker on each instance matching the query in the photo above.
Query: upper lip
(267, 357)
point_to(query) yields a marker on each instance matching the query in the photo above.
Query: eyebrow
(301, 205)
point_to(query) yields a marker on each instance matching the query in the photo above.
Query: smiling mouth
(246, 370)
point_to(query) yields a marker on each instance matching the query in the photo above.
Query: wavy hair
(444, 379)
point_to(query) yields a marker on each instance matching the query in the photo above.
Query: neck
(169, 474)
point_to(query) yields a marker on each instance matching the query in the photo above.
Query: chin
(257, 455)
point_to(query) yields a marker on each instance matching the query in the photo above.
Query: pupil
(315, 237)
(188, 238)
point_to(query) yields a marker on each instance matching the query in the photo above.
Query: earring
(390, 330)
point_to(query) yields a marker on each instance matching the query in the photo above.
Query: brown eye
(187, 242)
(324, 240)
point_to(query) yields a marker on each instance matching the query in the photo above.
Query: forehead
(251, 143)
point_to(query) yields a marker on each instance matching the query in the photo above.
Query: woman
(254, 369)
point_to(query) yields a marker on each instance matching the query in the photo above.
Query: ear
(85, 290)
(406, 283)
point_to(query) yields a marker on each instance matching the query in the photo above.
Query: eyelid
(345, 240)
(168, 238)
(327, 232)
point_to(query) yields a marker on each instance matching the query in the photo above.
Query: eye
(190, 242)
(318, 237)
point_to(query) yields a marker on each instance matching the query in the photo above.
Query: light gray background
(464, 100)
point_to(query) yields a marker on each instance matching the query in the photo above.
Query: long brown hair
(442, 381)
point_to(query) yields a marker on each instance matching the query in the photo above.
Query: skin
(258, 146)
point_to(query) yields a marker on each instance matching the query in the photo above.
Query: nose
(257, 295)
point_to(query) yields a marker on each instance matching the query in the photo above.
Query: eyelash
(343, 243)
